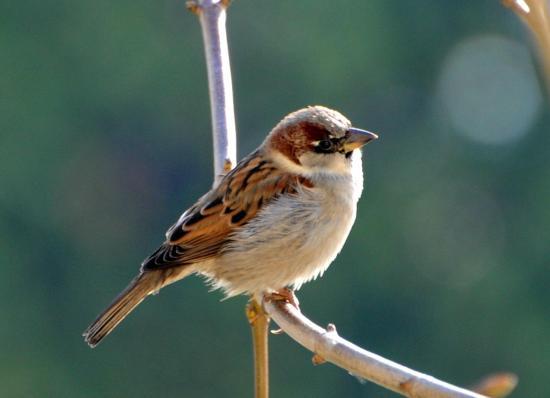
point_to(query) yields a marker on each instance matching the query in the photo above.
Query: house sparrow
(278, 219)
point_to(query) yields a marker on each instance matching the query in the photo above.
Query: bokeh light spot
(489, 90)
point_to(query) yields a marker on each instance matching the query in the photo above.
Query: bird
(275, 221)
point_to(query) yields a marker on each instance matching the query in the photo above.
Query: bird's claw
(285, 295)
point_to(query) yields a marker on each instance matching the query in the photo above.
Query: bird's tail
(144, 284)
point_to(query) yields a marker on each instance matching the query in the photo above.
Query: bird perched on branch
(278, 219)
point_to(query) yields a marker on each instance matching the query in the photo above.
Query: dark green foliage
(105, 139)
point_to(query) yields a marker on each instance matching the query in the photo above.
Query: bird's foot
(285, 295)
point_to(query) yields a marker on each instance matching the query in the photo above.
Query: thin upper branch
(212, 16)
(536, 15)
(327, 344)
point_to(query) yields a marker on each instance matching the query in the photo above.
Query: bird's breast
(292, 240)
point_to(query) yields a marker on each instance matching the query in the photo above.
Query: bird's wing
(202, 230)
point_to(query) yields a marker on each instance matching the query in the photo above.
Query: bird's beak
(356, 138)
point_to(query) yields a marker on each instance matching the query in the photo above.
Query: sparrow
(277, 220)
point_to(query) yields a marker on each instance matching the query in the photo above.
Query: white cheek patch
(330, 163)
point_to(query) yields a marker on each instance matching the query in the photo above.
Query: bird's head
(317, 140)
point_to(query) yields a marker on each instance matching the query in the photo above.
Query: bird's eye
(325, 145)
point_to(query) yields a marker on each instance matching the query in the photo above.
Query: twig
(536, 15)
(259, 324)
(497, 385)
(326, 344)
(212, 16)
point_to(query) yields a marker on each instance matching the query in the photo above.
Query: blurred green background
(105, 139)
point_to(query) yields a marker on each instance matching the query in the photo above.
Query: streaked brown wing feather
(202, 230)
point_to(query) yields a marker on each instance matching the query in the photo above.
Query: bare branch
(212, 16)
(328, 345)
